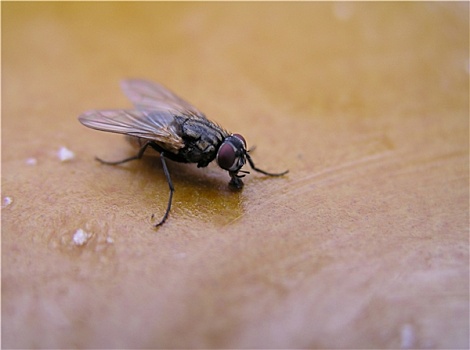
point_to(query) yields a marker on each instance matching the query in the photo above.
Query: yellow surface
(364, 243)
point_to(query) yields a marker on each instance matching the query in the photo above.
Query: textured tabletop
(364, 243)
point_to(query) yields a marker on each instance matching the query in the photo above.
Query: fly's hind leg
(165, 170)
(172, 189)
(137, 156)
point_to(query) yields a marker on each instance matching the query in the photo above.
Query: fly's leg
(172, 189)
(252, 164)
(137, 156)
(165, 170)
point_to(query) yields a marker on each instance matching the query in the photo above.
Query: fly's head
(231, 156)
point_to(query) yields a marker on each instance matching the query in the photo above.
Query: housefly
(175, 129)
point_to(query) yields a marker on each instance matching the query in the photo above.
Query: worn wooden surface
(364, 244)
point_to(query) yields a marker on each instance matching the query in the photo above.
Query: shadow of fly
(175, 129)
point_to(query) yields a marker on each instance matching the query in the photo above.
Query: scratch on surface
(386, 163)
(336, 174)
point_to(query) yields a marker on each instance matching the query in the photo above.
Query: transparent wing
(156, 126)
(146, 95)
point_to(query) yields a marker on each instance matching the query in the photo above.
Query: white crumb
(80, 237)
(407, 336)
(65, 154)
(31, 161)
(7, 201)
(109, 240)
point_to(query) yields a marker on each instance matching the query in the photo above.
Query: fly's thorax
(231, 155)
(202, 140)
(203, 129)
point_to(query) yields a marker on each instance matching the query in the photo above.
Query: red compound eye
(238, 136)
(226, 156)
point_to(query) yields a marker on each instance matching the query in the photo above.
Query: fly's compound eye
(226, 157)
(240, 137)
(231, 155)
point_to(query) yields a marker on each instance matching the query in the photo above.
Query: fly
(175, 129)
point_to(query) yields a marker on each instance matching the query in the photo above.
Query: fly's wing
(158, 126)
(146, 95)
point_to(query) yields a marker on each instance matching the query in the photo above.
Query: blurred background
(363, 244)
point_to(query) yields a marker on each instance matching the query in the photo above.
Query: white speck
(31, 161)
(65, 154)
(7, 201)
(109, 240)
(81, 237)
(407, 336)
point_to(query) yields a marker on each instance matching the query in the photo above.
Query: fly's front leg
(138, 156)
(172, 189)
(252, 164)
